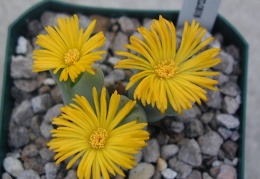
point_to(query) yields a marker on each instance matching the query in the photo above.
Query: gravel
(201, 143)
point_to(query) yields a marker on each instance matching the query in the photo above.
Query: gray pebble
(29, 174)
(51, 170)
(113, 60)
(190, 114)
(228, 121)
(230, 149)
(230, 88)
(34, 27)
(227, 172)
(193, 128)
(231, 104)
(190, 153)
(151, 151)
(35, 125)
(235, 136)
(205, 175)
(169, 151)
(46, 129)
(210, 143)
(52, 112)
(19, 136)
(162, 138)
(207, 117)
(214, 99)
(169, 173)
(128, 25)
(225, 133)
(180, 167)
(6, 175)
(72, 174)
(21, 67)
(34, 163)
(41, 103)
(226, 64)
(13, 166)
(142, 170)
(119, 41)
(177, 126)
(46, 154)
(26, 85)
(56, 94)
(195, 174)
(30, 150)
(139, 156)
(23, 113)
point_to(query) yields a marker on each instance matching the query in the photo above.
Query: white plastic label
(204, 11)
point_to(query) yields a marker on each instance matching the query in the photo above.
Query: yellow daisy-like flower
(92, 135)
(69, 48)
(166, 75)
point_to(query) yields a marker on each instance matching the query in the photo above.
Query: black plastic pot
(19, 27)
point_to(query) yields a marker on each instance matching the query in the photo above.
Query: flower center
(166, 69)
(98, 138)
(71, 57)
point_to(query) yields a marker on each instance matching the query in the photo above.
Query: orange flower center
(166, 69)
(98, 138)
(71, 57)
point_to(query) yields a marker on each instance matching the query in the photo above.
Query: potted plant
(231, 36)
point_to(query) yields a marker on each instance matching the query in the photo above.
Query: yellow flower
(69, 48)
(93, 136)
(166, 75)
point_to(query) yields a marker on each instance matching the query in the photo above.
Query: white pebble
(49, 81)
(13, 166)
(169, 173)
(22, 45)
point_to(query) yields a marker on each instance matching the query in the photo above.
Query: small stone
(205, 175)
(230, 149)
(6, 175)
(51, 170)
(190, 153)
(46, 129)
(41, 103)
(113, 60)
(226, 64)
(169, 151)
(207, 117)
(177, 126)
(21, 47)
(162, 138)
(34, 163)
(29, 174)
(228, 162)
(23, 113)
(118, 74)
(19, 136)
(180, 167)
(49, 81)
(119, 41)
(26, 85)
(142, 170)
(193, 128)
(169, 173)
(190, 114)
(151, 151)
(210, 143)
(35, 125)
(13, 166)
(72, 174)
(30, 150)
(20, 95)
(214, 171)
(161, 164)
(214, 99)
(225, 133)
(216, 163)
(235, 161)
(139, 156)
(56, 94)
(46, 154)
(44, 89)
(21, 67)
(230, 88)
(230, 104)
(128, 25)
(235, 136)
(221, 78)
(34, 27)
(156, 175)
(227, 172)
(233, 51)
(195, 174)
(228, 121)
(52, 113)
(102, 23)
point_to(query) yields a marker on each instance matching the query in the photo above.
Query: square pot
(18, 27)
